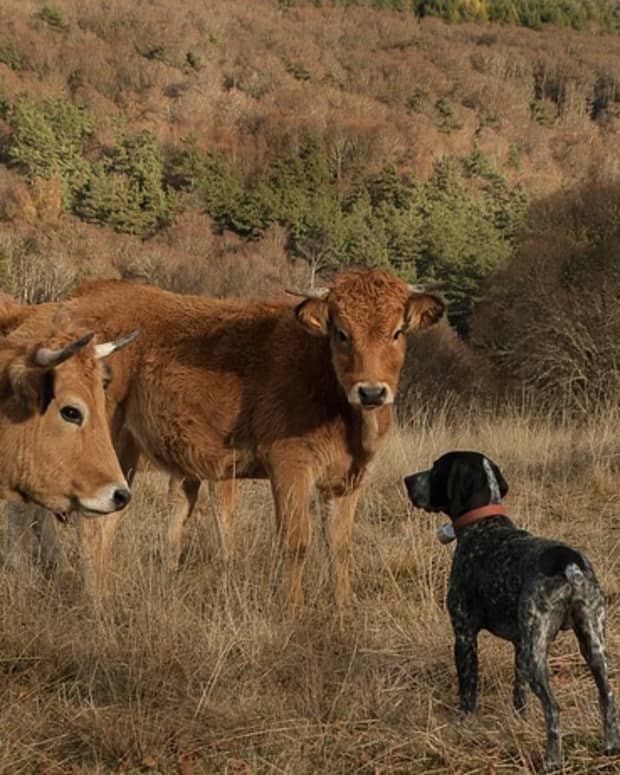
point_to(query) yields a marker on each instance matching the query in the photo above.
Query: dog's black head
(458, 482)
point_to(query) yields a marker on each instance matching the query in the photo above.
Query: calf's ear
(313, 316)
(423, 310)
(32, 387)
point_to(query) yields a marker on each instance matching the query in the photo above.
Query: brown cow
(56, 446)
(221, 390)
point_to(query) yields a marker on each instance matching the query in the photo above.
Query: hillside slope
(132, 114)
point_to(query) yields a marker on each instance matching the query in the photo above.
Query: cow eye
(72, 414)
(341, 335)
(397, 334)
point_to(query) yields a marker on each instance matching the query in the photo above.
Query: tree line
(528, 13)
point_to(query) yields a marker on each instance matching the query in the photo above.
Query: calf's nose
(372, 396)
(121, 497)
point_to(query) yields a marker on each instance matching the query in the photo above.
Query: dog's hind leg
(541, 631)
(589, 627)
(521, 686)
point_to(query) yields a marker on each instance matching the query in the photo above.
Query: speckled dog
(519, 587)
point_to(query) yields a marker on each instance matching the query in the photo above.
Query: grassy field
(205, 673)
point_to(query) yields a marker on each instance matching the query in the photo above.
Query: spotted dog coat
(517, 586)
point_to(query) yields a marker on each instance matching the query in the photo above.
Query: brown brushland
(204, 672)
(240, 75)
(241, 78)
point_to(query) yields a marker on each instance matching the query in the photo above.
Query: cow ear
(423, 310)
(313, 314)
(32, 387)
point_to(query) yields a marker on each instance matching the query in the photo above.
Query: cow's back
(209, 379)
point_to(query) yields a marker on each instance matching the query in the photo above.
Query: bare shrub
(38, 273)
(189, 258)
(441, 375)
(17, 202)
(551, 318)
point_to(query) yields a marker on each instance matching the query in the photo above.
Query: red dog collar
(492, 510)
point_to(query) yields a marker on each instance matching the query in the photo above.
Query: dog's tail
(565, 561)
(574, 574)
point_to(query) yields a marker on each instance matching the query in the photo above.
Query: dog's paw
(446, 533)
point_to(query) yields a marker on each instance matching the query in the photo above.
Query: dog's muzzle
(419, 489)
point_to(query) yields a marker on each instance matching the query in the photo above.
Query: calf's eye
(72, 414)
(397, 334)
(342, 335)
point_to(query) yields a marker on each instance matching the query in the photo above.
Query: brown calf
(221, 390)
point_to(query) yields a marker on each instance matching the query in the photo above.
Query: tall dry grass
(205, 673)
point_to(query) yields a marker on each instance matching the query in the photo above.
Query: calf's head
(54, 423)
(365, 315)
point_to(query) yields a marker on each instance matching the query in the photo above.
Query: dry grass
(205, 673)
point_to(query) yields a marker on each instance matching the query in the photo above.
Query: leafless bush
(34, 271)
(441, 375)
(551, 318)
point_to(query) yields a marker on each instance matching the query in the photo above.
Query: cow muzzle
(370, 395)
(109, 499)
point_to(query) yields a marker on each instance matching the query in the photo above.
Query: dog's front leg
(466, 659)
(521, 684)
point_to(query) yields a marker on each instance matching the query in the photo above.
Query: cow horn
(310, 293)
(46, 357)
(107, 348)
(426, 288)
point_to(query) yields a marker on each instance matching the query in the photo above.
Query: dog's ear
(460, 488)
(503, 484)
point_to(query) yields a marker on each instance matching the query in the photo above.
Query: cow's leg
(22, 520)
(223, 498)
(338, 526)
(182, 497)
(19, 534)
(97, 533)
(291, 486)
(45, 528)
(96, 536)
